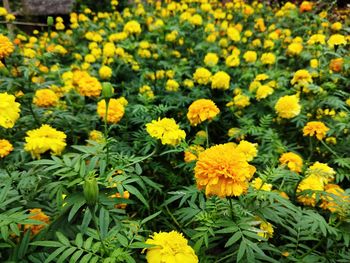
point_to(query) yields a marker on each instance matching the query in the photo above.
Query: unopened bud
(107, 90)
(50, 21)
(91, 191)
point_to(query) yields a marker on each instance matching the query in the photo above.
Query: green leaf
(79, 240)
(76, 256)
(140, 245)
(233, 239)
(132, 190)
(138, 169)
(55, 254)
(75, 209)
(104, 222)
(241, 250)
(24, 245)
(63, 239)
(66, 254)
(145, 220)
(46, 243)
(86, 220)
(86, 258)
(88, 243)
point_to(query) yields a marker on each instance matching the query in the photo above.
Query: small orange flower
(317, 128)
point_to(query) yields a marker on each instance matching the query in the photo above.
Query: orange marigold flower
(305, 6)
(45, 98)
(313, 183)
(202, 110)
(5, 148)
(223, 170)
(191, 154)
(6, 46)
(336, 64)
(115, 110)
(37, 214)
(315, 128)
(335, 199)
(293, 161)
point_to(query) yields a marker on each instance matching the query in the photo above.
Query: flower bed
(177, 132)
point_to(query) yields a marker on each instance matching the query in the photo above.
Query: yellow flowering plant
(176, 131)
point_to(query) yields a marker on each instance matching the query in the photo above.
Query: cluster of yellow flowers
(9, 110)
(166, 130)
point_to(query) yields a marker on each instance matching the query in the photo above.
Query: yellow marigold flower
(3, 11)
(241, 101)
(312, 182)
(202, 76)
(267, 228)
(191, 154)
(233, 34)
(170, 247)
(322, 170)
(5, 148)
(336, 40)
(302, 77)
(109, 50)
(9, 110)
(37, 214)
(288, 107)
(196, 20)
(250, 56)
(105, 72)
(335, 200)
(211, 59)
(235, 133)
(220, 80)
(115, 110)
(317, 128)
(223, 170)
(232, 61)
(248, 149)
(6, 46)
(268, 58)
(45, 98)
(294, 49)
(43, 139)
(317, 38)
(132, 27)
(293, 161)
(259, 184)
(171, 85)
(314, 63)
(336, 26)
(166, 130)
(96, 136)
(202, 110)
(188, 83)
(263, 92)
(89, 86)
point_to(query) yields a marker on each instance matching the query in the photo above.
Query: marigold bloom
(105, 72)
(37, 214)
(301, 77)
(202, 110)
(191, 154)
(43, 139)
(9, 110)
(170, 247)
(335, 200)
(96, 136)
(45, 98)
(294, 49)
(317, 128)
(221, 80)
(293, 161)
(211, 59)
(259, 184)
(288, 107)
(336, 64)
(172, 85)
(268, 58)
(89, 86)
(323, 171)
(232, 61)
(305, 6)
(317, 38)
(6, 46)
(248, 149)
(132, 27)
(250, 56)
(126, 195)
(336, 40)
(166, 130)
(5, 148)
(241, 101)
(312, 182)
(267, 228)
(223, 170)
(196, 20)
(202, 76)
(115, 110)
(263, 92)
(233, 34)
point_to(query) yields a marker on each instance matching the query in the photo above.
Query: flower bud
(107, 90)
(50, 21)
(91, 191)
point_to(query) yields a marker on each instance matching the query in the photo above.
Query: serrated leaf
(63, 239)
(233, 239)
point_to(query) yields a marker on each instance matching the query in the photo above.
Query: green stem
(206, 131)
(143, 158)
(106, 131)
(329, 149)
(231, 208)
(37, 121)
(312, 249)
(311, 149)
